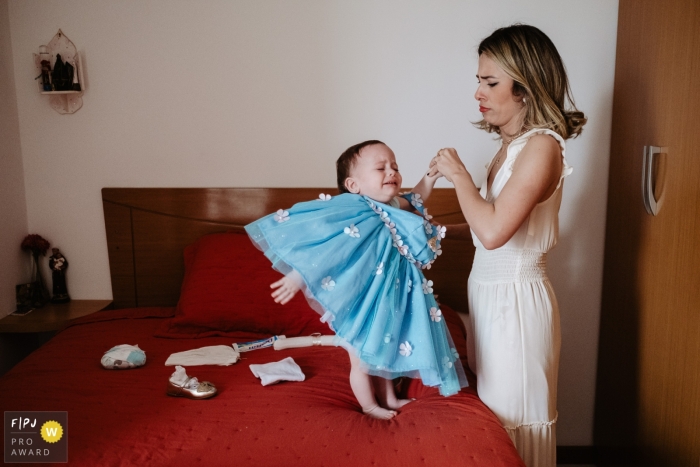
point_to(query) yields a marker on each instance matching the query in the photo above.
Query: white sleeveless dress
(514, 321)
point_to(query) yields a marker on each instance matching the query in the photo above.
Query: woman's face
(497, 103)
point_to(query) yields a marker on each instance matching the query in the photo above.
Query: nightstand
(22, 335)
(52, 316)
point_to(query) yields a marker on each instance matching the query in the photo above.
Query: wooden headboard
(148, 228)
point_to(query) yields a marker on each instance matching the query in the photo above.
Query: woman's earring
(524, 101)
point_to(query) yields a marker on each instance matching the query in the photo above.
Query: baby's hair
(346, 161)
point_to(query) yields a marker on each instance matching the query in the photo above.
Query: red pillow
(226, 291)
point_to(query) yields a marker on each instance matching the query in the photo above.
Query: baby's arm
(423, 188)
(287, 287)
(426, 184)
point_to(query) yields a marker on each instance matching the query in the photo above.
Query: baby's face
(375, 174)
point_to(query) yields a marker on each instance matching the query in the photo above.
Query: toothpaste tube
(255, 345)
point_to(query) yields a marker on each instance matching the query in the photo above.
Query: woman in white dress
(524, 97)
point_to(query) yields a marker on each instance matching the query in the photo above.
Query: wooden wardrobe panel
(648, 392)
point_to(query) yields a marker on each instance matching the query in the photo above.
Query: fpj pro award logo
(36, 437)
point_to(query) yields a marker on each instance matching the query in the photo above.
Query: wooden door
(648, 387)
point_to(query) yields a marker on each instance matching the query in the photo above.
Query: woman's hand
(448, 163)
(287, 287)
(536, 174)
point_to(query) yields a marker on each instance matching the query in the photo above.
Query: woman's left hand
(448, 163)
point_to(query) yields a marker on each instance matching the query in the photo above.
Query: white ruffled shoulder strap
(519, 143)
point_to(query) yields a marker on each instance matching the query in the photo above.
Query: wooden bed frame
(148, 228)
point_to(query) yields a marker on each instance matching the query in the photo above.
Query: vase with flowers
(37, 246)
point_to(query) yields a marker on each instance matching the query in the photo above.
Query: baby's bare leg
(386, 394)
(361, 384)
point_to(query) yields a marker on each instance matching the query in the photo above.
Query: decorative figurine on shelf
(62, 75)
(45, 68)
(34, 293)
(76, 83)
(58, 265)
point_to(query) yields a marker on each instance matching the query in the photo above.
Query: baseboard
(600, 456)
(576, 455)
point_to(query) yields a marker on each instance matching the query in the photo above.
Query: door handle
(651, 204)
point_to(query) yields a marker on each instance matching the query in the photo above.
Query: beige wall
(268, 93)
(13, 207)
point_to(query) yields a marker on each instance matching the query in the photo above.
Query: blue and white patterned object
(123, 357)
(360, 261)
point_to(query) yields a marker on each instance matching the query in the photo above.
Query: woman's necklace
(510, 140)
(514, 137)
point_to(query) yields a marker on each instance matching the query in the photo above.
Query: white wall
(268, 93)
(13, 207)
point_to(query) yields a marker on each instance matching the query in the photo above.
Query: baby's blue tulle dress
(361, 261)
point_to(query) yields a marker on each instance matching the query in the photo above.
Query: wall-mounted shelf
(61, 92)
(65, 89)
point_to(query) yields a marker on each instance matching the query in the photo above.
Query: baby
(359, 256)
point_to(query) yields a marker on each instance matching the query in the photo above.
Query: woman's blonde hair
(529, 57)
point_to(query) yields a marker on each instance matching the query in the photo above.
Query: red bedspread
(125, 418)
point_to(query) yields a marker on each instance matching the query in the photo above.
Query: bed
(185, 276)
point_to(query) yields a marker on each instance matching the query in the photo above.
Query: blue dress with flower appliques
(361, 262)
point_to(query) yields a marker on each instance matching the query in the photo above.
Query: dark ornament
(62, 75)
(58, 264)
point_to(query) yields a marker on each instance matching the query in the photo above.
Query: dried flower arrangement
(36, 291)
(37, 244)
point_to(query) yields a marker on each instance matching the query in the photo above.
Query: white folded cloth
(284, 370)
(222, 355)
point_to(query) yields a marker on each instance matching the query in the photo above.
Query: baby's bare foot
(380, 413)
(398, 403)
